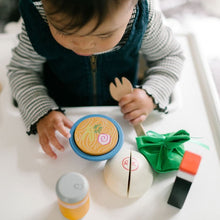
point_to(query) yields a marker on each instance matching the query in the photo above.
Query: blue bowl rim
(106, 156)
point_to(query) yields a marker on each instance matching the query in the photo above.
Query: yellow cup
(72, 190)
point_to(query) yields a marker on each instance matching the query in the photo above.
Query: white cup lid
(72, 187)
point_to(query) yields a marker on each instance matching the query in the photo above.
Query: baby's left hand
(136, 106)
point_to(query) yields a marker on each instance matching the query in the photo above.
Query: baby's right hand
(46, 128)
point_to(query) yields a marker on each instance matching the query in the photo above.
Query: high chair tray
(28, 176)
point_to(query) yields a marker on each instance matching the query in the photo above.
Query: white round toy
(128, 174)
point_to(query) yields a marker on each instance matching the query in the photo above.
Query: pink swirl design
(104, 139)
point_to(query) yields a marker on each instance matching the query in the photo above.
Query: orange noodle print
(96, 136)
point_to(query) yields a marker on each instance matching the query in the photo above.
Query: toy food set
(96, 137)
(72, 191)
(166, 153)
(187, 171)
(128, 174)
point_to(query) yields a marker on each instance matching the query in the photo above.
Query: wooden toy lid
(96, 135)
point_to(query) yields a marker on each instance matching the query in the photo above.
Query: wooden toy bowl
(96, 137)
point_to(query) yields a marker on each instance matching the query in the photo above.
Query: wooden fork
(118, 90)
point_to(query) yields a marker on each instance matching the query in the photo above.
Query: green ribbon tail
(199, 143)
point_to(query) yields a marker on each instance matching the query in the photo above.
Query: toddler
(70, 50)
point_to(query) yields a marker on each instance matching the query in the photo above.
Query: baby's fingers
(53, 140)
(63, 130)
(138, 120)
(68, 123)
(44, 142)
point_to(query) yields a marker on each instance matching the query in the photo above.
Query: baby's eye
(105, 36)
(62, 33)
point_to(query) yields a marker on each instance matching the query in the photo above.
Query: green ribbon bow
(164, 152)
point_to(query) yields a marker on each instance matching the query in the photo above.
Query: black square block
(179, 192)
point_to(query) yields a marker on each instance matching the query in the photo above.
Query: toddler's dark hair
(78, 13)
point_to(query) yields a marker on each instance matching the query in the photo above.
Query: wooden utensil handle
(139, 129)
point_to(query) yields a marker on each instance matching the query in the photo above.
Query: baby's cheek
(63, 41)
(108, 44)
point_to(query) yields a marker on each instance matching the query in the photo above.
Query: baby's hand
(46, 128)
(136, 106)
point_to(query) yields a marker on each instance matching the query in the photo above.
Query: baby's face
(104, 38)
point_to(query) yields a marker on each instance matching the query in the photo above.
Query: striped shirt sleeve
(164, 57)
(24, 73)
